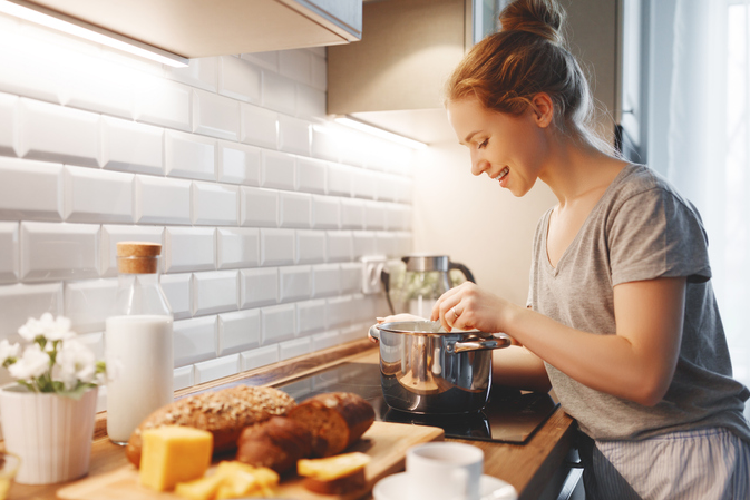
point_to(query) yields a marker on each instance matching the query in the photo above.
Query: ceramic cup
(444, 471)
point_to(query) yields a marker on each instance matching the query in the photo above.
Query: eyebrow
(468, 137)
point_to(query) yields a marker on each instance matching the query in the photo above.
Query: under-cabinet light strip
(379, 132)
(58, 21)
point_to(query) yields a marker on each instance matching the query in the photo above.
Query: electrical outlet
(372, 266)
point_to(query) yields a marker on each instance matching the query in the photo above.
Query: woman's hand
(392, 318)
(468, 307)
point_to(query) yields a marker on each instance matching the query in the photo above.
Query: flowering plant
(54, 361)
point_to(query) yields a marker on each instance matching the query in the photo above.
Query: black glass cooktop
(509, 416)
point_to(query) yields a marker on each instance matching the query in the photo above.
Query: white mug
(444, 471)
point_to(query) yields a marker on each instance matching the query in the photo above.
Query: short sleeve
(655, 233)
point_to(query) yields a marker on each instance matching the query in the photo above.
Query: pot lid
(426, 328)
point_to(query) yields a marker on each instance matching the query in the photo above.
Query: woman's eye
(482, 144)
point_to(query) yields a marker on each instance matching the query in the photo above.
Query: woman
(620, 310)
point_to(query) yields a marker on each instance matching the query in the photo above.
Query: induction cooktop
(509, 416)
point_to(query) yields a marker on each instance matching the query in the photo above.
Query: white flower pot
(50, 433)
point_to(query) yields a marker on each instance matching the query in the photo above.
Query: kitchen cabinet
(205, 28)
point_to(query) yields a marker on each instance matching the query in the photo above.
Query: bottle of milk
(138, 341)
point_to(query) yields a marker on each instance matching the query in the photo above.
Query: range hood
(206, 28)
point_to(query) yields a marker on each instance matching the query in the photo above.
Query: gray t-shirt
(640, 229)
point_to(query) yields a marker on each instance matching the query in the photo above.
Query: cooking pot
(424, 369)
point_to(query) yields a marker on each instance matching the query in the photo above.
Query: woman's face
(508, 148)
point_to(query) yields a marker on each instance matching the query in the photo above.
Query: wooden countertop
(528, 467)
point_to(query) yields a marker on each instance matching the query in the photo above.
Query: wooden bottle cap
(136, 257)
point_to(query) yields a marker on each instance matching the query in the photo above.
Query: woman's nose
(478, 165)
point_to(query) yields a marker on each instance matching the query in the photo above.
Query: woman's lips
(500, 177)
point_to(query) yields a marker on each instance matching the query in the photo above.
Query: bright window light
(379, 132)
(60, 22)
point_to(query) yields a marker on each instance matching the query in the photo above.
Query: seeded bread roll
(224, 413)
(335, 419)
(275, 444)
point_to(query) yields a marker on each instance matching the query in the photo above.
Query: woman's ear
(543, 108)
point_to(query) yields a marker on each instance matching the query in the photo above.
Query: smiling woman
(621, 308)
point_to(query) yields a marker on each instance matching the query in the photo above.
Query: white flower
(74, 362)
(33, 363)
(45, 326)
(8, 350)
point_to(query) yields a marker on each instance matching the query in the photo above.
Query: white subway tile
(295, 283)
(239, 331)
(93, 195)
(261, 356)
(311, 102)
(258, 287)
(189, 155)
(103, 86)
(375, 214)
(9, 252)
(201, 72)
(259, 126)
(189, 249)
(340, 179)
(354, 332)
(326, 280)
(267, 60)
(7, 127)
(324, 144)
(311, 247)
(363, 184)
(319, 73)
(239, 164)
(295, 210)
(237, 247)
(311, 317)
(194, 340)
(296, 64)
(278, 170)
(339, 312)
(163, 102)
(277, 93)
(214, 292)
(260, 207)
(325, 340)
(276, 247)
(339, 245)
(294, 135)
(54, 133)
(215, 115)
(403, 243)
(184, 377)
(278, 323)
(178, 290)
(30, 68)
(111, 235)
(238, 79)
(162, 201)
(326, 212)
(215, 369)
(20, 302)
(386, 244)
(351, 277)
(132, 146)
(89, 303)
(352, 214)
(364, 244)
(215, 204)
(30, 190)
(293, 348)
(311, 175)
(59, 251)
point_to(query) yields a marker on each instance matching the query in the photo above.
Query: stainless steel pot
(426, 370)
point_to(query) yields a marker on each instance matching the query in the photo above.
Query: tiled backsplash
(263, 206)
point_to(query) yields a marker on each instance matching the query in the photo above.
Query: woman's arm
(637, 363)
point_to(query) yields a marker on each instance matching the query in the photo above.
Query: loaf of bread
(224, 413)
(335, 420)
(275, 444)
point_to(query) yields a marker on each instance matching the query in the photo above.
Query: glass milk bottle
(138, 342)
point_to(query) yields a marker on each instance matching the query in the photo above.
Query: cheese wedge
(174, 454)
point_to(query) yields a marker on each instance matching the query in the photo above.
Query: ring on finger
(453, 310)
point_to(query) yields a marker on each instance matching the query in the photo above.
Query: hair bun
(543, 18)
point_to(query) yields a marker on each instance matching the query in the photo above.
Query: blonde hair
(528, 56)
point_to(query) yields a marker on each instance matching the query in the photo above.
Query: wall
(262, 205)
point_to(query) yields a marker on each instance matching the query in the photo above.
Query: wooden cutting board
(385, 442)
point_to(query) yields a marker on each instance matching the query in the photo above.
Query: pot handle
(496, 341)
(375, 332)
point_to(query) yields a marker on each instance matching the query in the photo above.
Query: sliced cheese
(326, 469)
(174, 454)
